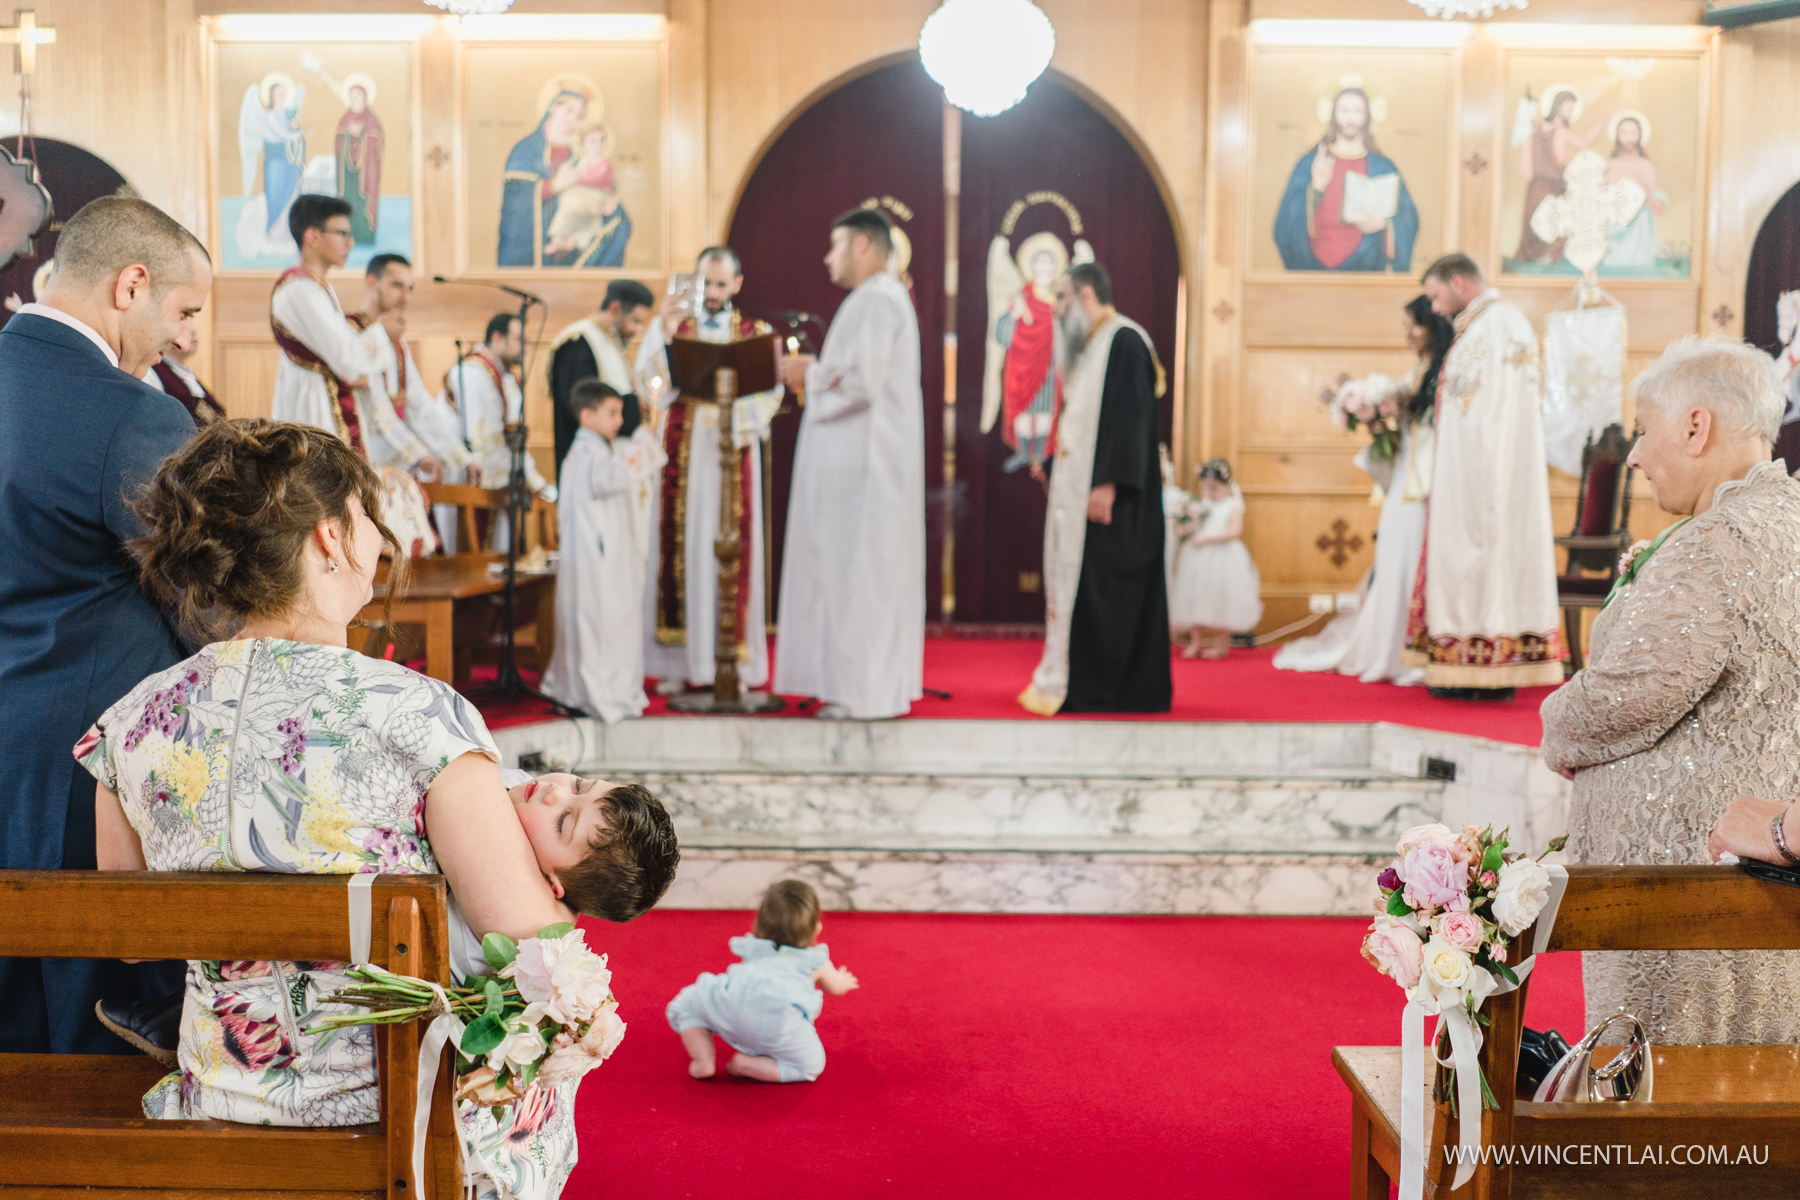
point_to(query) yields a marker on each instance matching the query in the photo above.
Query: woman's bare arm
(482, 850)
(117, 846)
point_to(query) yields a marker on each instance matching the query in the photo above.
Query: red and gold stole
(349, 425)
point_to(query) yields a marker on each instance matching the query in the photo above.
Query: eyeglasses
(343, 233)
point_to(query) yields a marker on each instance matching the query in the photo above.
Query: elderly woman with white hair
(1691, 695)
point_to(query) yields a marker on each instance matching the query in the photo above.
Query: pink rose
(1461, 930)
(569, 1063)
(1420, 835)
(1433, 876)
(1396, 951)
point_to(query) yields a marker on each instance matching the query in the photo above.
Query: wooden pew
(540, 517)
(74, 1121)
(1705, 1096)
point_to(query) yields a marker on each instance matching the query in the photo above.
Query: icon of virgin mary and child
(560, 206)
(1346, 207)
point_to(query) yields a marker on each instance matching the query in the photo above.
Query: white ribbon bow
(1465, 1045)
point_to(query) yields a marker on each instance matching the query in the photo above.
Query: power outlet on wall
(1321, 602)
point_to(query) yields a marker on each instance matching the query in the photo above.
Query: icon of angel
(1022, 385)
(269, 130)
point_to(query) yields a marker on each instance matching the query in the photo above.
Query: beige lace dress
(1691, 698)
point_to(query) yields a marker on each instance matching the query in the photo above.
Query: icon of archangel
(1022, 385)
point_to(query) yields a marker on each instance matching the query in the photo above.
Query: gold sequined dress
(1691, 698)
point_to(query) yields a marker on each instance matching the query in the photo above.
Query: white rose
(1445, 972)
(1521, 894)
(582, 984)
(520, 1048)
(1419, 835)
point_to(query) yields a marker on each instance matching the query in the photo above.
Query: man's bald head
(116, 232)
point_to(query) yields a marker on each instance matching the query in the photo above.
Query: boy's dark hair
(871, 223)
(592, 393)
(789, 914)
(382, 262)
(499, 325)
(631, 864)
(629, 293)
(311, 211)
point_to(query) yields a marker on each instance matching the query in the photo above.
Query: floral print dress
(272, 755)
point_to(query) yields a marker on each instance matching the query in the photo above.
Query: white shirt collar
(79, 326)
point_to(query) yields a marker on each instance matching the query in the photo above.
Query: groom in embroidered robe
(681, 626)
(594, 348)
(1484, 613)
(1106, 614)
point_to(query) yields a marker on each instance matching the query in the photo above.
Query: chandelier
(471, 8)
(1451, 9)
(985, 53)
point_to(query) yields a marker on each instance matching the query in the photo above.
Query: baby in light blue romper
(765, 1005)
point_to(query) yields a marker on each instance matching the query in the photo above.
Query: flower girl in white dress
(1217, 587)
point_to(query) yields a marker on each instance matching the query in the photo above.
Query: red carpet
(985, 675)
(1014, 1056)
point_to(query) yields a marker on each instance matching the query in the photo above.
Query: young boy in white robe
(603, 528)
(765, 1005)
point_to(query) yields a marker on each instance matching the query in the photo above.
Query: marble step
(1006, 877)
(772, 808)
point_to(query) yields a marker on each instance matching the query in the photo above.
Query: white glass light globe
(985, 53)
(471, 8)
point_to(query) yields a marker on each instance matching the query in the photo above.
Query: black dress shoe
(153, 1026)
(1471, 693)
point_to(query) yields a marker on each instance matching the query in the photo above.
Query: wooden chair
(540, 518)
(1602, 532)
(74, 1122)
(1703, 1096)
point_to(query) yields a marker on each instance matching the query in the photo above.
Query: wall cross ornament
(1475, 164)
(1723, 316)
(25, 38)
(437, 157)
(1223, 311)
(1336, 545)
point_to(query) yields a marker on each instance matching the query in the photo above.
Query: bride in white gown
(1367, 644)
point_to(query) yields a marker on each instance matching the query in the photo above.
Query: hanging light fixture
(1452, 9)
(985, 53)
(471, 8)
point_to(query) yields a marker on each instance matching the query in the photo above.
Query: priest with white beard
(1484, 613)
(853, 570)
(682, 591)
(1106, 602)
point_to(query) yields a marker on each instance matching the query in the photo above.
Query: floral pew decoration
(1448, 918)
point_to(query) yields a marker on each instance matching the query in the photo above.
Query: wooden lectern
(715, 373)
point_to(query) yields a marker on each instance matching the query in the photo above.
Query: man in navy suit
(79, 433)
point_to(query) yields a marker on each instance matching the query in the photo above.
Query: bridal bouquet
(1373, 401)
(547, 1016)
(1450, 912)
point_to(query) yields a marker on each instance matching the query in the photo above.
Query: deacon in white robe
(603, 527)
(1485, 616)
(853, 569)
(681, 628)
(483, 392)
(324, 363)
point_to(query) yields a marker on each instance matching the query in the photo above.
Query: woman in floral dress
(282, 750)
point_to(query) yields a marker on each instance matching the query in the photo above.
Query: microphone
(528, 297)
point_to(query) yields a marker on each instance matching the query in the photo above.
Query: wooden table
(430, 600)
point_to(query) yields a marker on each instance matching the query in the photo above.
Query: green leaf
(499, 950)
(496, 1002)
(482, 1035)
(1495, 857)
(529, 1072)
(557, 930)
(1397, 905)
(1503, 971)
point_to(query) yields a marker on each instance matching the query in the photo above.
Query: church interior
(1100, 952)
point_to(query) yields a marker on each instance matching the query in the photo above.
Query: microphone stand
(509, 685)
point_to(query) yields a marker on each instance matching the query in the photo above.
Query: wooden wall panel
(1284, 395)
(1285, 532)
(245, 372)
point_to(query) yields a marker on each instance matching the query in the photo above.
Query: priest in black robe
(1107, 606)
(595, 347)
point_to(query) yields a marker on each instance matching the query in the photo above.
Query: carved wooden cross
(1587, 210)
(1339, 547)
(26, 37)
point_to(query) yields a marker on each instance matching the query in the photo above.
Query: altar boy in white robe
(1484, 613)
(853, 571)
(603, 526)
(683, 591)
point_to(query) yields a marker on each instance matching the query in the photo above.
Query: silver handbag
(1629, 1076)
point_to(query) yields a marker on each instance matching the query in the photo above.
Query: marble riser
(1260, 885)
(1264, 814)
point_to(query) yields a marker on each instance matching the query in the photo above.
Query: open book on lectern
(693, 364)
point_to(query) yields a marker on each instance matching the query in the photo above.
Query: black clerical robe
(1119, 629)
(572, 362)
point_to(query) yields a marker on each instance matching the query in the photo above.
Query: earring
(332, 563)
